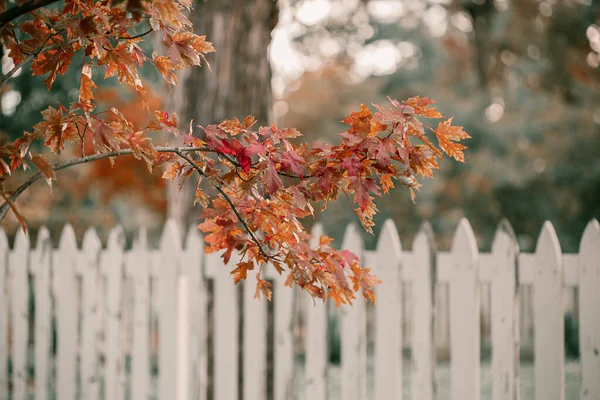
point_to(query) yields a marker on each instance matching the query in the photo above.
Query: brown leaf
(85, 90)
(45, 168)
(20, 218)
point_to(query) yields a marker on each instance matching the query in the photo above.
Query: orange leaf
(263, 286)
(421, 106)
(85, 90)
(447, 135)
(45, 168)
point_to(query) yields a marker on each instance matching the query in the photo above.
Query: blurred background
(521, 76)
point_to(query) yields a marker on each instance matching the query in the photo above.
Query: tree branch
(229, 201)
(76, 161)
(29, 57)
(16, 12)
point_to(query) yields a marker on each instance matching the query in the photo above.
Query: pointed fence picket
(421, 273)
(283, 365)
(463, 268)
(89, 292)
(193, 268)
(548, 317)
(138, 269)
(387, 265)
(254, 342)
(505, 328)
(89, 265)
(112, 269)
(167, 270)
(354, 333)
(65, 295)
(18, 263)
(40, 269)
(316, 340)
(589, 306)
(225, 329)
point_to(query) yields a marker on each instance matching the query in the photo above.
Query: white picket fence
(110, 305)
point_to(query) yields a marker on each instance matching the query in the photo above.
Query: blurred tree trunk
(238, 82)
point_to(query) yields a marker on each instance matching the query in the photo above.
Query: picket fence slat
(167, 274)
(504, 316)
(89, 267)
(254, 342)
(589, 304)
(18, 267)
(388, 314)
(423, 286)
(3, 315)
(548, 317)
(225, 329)
(197, 314)
(112, 268)
(464, 315)
(316, 339)
(105, 301)
(40, 269)
(65, 294)
(283, 365)
(138, 268)
(354, 333)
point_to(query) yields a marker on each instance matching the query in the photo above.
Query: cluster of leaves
(255, 184)
(269, 184)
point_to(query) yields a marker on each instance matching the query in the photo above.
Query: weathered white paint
(548, 317)
(387, 266)
(316, 340)
(40, 269)
(65, 295)
(18, 268)
(112, 268)
(169, 265)
(167, 273)
(283, 363)
(589, 311)
(89, 265)
(354, 333)
(423, 285)
(191, 263)
(464, 315)
(504, 314)
(138, 268)
(225, 329)
(254, 342)
(3, 315)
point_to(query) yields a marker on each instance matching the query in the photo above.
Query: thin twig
(16, 12)
(30, 57)
(76, 161)
(228, 200)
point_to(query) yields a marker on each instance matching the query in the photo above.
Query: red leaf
(271, 178)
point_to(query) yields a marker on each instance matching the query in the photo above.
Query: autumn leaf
(422, 106)
(165, 67)
(56, 130)
(141, 147)
(262, 286)
(20, 217)
(271, 178)
(360, 121)
(45, 168)
(85, 89)
(447, 135)
(292, 161)
(241, 271)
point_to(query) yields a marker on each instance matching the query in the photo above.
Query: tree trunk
(238, 82)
